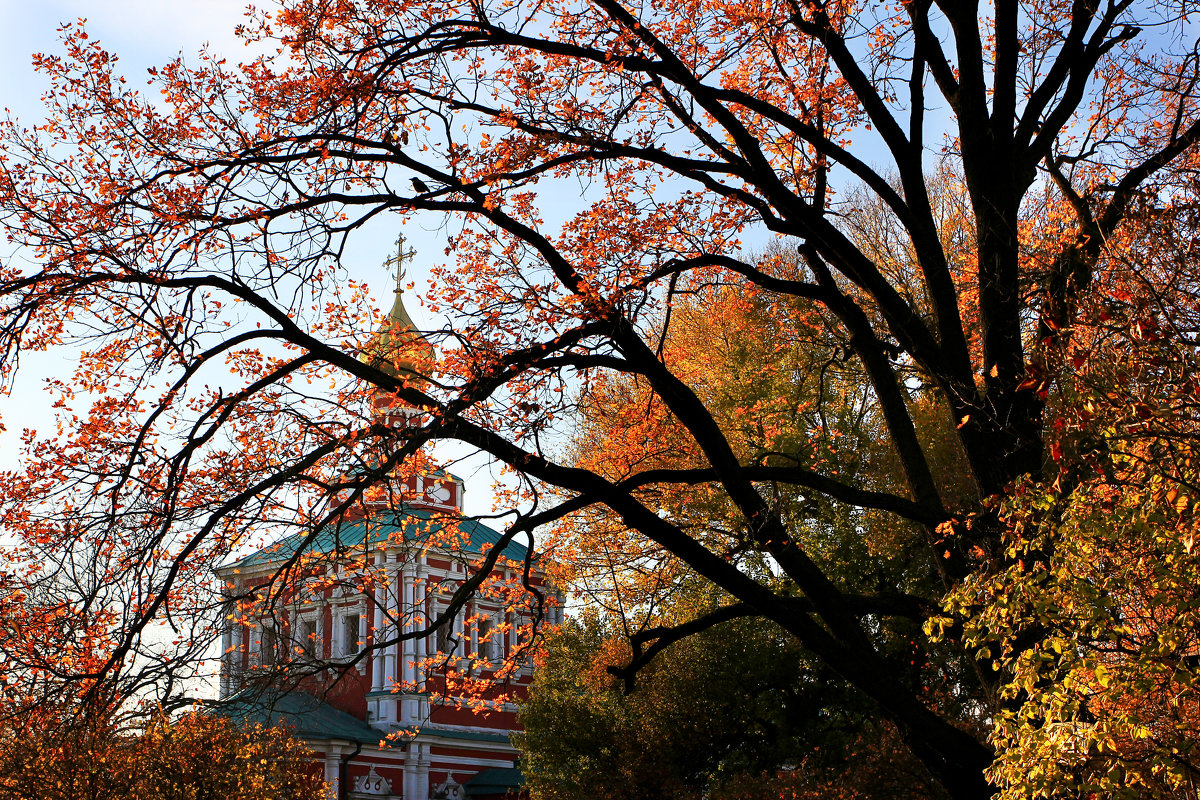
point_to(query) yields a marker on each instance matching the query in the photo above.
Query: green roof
(313, 719)
(308, 717)
(450, 733)
(500, 780)
(418, 526)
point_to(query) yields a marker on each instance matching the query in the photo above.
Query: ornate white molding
(372, 785)
(450, 789)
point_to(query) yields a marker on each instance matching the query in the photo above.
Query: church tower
(370, 677)
(399, 349)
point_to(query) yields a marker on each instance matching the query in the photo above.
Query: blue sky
(146, 33)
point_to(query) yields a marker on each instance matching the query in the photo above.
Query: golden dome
(399, 349)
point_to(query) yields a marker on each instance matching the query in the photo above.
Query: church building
(428, 716)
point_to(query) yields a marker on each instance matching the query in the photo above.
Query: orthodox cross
(397, 261)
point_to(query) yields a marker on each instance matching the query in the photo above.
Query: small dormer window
(439, 493)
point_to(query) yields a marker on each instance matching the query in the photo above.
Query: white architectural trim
(487, 763)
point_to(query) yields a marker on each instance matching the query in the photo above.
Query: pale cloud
(143, 33)
(151, 26)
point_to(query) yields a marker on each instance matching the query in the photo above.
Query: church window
(489, 648)
(268, 646)
(308, 637)
(349, 633)
(447, 635)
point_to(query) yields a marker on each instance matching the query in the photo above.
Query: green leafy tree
(1093, 617)
(737, 711)
(775, 379)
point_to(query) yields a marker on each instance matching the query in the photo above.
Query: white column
(560, 609)
(420, 596)
(414, 708)
(405, 613)
(332, 763)
(377, 632)
(390, 673)
(322, 634)
(227, 654)
(239, 647)
(422, 774)
(410, 773)
(470, 637)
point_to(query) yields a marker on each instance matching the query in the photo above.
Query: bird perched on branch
(420, 185)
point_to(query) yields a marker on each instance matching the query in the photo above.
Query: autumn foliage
(87, 753)
(960, 399)
(1093, 616)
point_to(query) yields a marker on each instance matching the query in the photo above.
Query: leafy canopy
(188, 244)
(193, 757)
